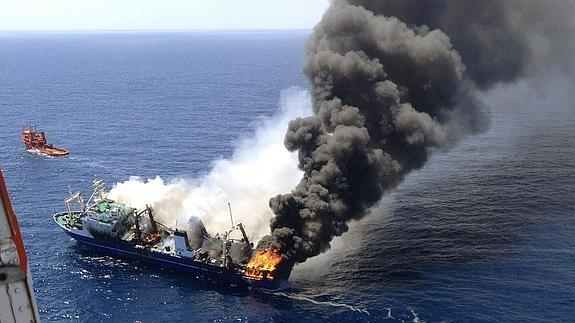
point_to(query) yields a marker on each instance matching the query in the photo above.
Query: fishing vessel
(36, 142)
(119, 230)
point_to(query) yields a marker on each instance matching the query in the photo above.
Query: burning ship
(119, 230)
(36, 142)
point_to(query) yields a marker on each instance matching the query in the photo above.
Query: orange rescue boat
(36, 142)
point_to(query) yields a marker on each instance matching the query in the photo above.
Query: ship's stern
(268, 271)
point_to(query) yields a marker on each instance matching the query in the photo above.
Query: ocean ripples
(482, 233)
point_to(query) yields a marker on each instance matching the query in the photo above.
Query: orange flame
(151, 238)
(263, 264)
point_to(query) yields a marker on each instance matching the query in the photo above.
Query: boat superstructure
(123, 231)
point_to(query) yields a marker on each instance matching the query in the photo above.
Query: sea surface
(484, 232)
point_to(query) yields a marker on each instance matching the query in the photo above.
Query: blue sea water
(484, 232)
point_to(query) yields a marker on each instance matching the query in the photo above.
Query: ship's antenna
(231, 216)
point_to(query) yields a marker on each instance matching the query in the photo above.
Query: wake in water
(259, 168)
(322, 303)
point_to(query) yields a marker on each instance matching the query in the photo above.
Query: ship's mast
(241, 227)
(151, 216)
(138, 230)
(99, 190)
(77, 198)
(231, 216)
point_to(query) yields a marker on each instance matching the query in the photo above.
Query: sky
(159, 14)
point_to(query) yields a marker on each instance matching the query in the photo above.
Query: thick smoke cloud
(499, 40)
(389, 80)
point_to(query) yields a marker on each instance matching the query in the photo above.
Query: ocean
(482, 233)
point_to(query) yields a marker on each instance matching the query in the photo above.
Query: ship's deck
(64, 219)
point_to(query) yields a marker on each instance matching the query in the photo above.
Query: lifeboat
(36, 142)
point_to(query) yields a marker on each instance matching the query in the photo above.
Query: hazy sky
(159, 14)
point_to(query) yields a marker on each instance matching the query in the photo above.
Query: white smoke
(259, 168)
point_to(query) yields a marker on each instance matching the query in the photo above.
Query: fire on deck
(263, 265)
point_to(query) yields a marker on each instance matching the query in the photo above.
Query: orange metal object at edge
(13, 222)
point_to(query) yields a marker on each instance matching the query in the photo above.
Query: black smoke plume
(391, 81)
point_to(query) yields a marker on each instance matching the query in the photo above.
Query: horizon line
(155, 30)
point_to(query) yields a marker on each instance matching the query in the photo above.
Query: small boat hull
(54, 152)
